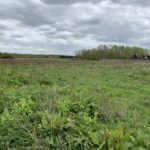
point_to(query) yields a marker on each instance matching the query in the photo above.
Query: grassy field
(72, 104)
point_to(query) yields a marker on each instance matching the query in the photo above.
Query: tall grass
(64, 104)
(114, 52)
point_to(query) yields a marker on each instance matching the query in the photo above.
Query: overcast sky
(64, 26)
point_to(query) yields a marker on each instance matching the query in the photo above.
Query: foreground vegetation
(113, 52)
(72, 104)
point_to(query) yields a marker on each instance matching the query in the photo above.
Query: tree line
(112, 52)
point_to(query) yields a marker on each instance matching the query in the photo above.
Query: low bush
(6, 55)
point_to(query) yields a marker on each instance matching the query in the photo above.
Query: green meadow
(70, 104)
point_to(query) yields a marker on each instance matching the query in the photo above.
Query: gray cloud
(133, 2)
(63, 26)
(66, 2)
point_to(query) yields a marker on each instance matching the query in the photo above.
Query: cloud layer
(64, 26)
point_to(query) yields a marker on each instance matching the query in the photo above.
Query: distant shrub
(65, 56)
(114, 52)
(6, 55)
